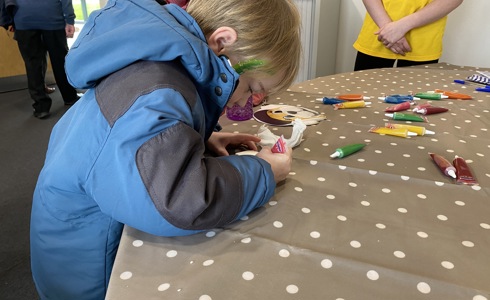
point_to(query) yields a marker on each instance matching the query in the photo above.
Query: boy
(131, 151)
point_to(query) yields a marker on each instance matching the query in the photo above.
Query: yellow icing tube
(401, 132)
(419, 130)
(351, 104)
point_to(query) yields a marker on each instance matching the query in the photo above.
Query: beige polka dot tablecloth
(383, 223)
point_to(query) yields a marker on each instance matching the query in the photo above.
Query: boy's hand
(280, 162)
(219, 141)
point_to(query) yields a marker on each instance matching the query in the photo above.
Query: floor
(23, 144)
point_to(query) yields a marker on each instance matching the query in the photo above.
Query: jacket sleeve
(153, 168)
(68, 12)
(190, 191)
(7, 11)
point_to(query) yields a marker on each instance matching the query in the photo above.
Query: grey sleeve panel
(116, 93)
(190, 191)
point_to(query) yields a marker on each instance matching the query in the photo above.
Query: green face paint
(406, 117)
(347, 150)
(247, 65)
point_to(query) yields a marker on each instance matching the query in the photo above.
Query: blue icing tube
(326, 100)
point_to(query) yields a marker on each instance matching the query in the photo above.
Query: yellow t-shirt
(425, 41)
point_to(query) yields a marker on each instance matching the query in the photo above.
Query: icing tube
(352, 97)
(351, 104)
(444, 165)
(347, 150)
(419, 130)
(406, 117)
(431, 110)
(453, 95)
(463, 172)
(401, 132)
(420, 106)
(431, 96)
(398, 107)
(396, 99)
(279, 146)
(326, 100)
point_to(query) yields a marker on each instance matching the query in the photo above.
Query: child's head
(267, 30)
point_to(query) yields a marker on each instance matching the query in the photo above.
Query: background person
(409, 32)
(40, 27)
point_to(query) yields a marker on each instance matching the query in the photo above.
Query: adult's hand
(69, 30)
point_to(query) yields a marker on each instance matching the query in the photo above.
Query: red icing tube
(398, 107)
(444, 165)
(431, 110)
(463, 172)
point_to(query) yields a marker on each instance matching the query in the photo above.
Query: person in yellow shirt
(407, 32)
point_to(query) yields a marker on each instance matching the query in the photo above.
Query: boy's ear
(221, 38)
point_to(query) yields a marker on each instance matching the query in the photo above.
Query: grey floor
(23, 144)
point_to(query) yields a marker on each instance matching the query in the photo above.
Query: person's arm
(390, 33)
(377, 12)
(69, 15)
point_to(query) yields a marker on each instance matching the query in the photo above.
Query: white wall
(467, 37)
(466, 40)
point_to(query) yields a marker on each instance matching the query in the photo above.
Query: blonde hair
(267, 30)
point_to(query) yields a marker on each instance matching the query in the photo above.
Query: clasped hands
(392, 35)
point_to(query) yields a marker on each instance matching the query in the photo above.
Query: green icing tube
(430, 96)
(347, 150)
(406, 117)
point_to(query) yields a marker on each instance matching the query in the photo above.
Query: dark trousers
(33, 45)
(366, 62)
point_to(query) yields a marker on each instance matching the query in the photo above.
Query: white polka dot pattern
(383, 223)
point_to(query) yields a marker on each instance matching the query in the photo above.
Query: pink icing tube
(279, 146)
(444, 165)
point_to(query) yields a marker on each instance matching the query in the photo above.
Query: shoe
(49, 90)
(70, 103)
(41, 114)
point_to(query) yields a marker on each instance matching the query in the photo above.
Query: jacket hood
(126, 31)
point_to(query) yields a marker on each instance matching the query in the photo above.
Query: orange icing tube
(419, 130)
(352, 97)
(401, 132)
(453, 95)
(351, 104)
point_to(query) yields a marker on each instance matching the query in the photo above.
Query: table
(383, 223)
